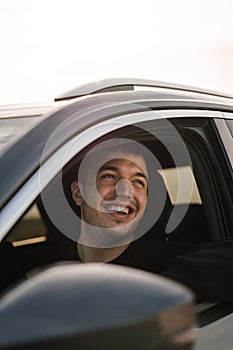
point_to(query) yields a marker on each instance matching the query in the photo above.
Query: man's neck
(101, 255)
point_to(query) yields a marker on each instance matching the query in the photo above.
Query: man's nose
(124, 188)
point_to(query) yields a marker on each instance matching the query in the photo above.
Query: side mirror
(96, 306)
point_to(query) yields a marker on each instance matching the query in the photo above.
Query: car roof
(162, 90)
(18, 119)
(122, 88)
(127, 84)
(102, 105)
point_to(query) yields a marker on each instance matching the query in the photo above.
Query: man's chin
(107, 237)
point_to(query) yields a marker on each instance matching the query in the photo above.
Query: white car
(188, 134)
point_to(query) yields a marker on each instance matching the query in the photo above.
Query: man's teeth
(117, 208)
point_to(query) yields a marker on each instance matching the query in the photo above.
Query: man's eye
(139, 183)
(107, 176)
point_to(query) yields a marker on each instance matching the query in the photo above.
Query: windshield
(11, 129)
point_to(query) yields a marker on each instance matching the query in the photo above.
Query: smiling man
(112, 197)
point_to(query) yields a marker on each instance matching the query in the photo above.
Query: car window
(170, 178)
(29, 230)
(37, 241)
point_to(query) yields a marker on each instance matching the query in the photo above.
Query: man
(112, 213)
(109, 217)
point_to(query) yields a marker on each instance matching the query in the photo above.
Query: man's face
(121, 184)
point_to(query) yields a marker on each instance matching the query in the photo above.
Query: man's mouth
(118, 209)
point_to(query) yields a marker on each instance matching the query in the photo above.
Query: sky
(51, 46)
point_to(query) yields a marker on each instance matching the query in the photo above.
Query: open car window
(37, 241)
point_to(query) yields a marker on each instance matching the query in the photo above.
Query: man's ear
(76, 193)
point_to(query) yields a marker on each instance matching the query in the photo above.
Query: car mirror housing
(97, 306)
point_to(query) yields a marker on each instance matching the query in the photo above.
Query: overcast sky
(50, 46)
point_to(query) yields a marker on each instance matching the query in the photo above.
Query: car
(187, 132)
